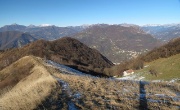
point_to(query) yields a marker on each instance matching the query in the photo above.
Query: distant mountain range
(116, 42)
(52, 32)
(14, 39)
(47, 32)
(163, 32)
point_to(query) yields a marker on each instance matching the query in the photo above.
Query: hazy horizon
(41, 25)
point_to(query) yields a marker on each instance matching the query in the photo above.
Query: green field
(166, 68)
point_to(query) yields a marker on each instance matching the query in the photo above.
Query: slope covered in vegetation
(165, 69)
(167, 50)
(14, 39)
(25, 84)
(49, 88)
(67, 51)
(118, 43)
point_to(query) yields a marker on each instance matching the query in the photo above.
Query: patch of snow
(147, 25)
(64, 69)
(141, 78)
(176, 99)
(126, 78)
(67, 93)
(160, 95)
(133, 77)
(154, 101)
(146, 66)
(85, 26)
(14, 24)
(128, 25)
(45, 25)
(125, 90)
(31, 26)
(174, 80)
(77, 95)
(157, 80)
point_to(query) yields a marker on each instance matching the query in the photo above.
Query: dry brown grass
(30, 91)
(12, 74)
(96, 93)
(101, 93)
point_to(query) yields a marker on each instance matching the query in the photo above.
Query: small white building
(128, 72)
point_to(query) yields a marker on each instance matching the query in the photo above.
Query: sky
(79, 12)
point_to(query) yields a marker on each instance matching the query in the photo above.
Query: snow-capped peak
(165, 25)
(45, 25)
(31, 26)
(14, 24)
(85, 25)
(128, 25)
(147, 25)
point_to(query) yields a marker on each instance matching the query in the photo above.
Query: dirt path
(67, 93)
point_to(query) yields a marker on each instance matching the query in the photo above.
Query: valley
(89, 55)
(118, 42)
(77, 72)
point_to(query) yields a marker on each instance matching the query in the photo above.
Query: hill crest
(67, 51)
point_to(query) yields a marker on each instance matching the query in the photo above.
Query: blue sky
(78, 12)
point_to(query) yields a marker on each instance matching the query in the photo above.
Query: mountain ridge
(48, 32)
(117, 43)
(163, 32)
(167, 50)
(14, 39)
(67, 51)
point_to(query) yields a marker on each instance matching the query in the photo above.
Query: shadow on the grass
(142, 97)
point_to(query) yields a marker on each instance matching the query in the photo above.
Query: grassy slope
(101, 93)
(167, 68)
(30, 90)
(96, 93)
(11, 75)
